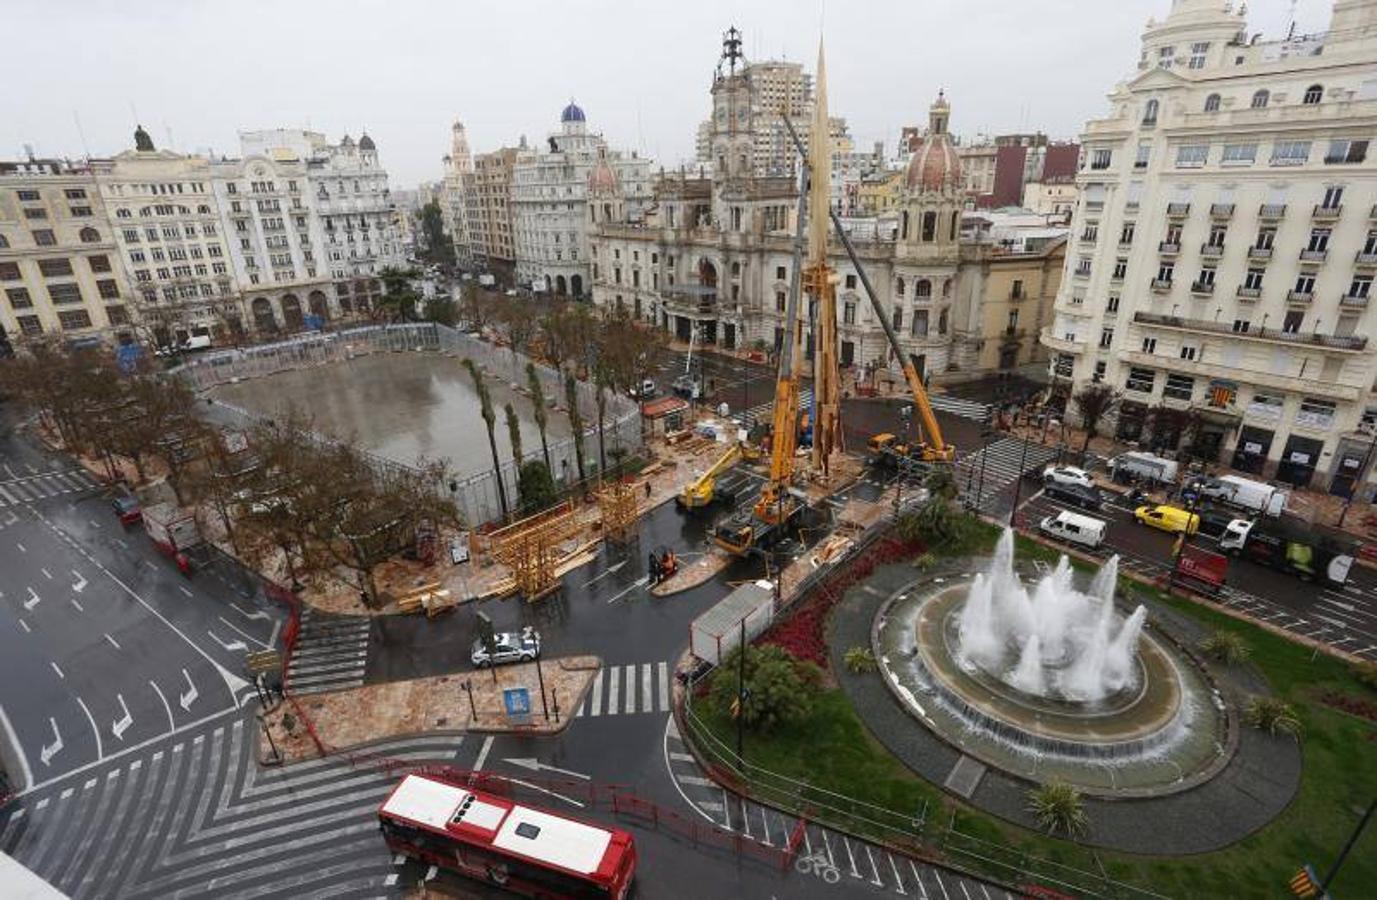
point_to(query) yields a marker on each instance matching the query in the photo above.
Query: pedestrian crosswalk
(331, 653)
(762, 412)
(627, 689)
(985, 473)
(959, 406)
(19, 491)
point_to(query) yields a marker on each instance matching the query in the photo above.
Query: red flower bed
(1354, 706)
(800, 629)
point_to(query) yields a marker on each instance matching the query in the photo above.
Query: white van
(1143, 465)
(1074, 528)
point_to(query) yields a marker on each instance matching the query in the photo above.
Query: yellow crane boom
(699, 492)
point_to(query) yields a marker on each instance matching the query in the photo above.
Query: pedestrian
(647, 488)
(653, 568)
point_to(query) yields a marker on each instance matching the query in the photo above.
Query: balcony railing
(1178, 210)
(1161, 285)
(1338, 342)
(1249, 293)
(1272, 211)
(1365, 258)
(1125, 245)
(1213, 251)
(1325, 213)
(1081, 273)
(1299, 296)
(1221, 210)
(1259, 252)
(1313, 256)
(1202, 287)
(1170, 247)
(1354, 301)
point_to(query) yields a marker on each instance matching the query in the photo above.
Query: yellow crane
(700, 492)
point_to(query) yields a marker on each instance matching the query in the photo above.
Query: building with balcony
(712, 258)
(61, 272)
(488, 193)
(1230, 188)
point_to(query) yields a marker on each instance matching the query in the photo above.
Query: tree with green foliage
(538, 401)
(1093, 402)
(1272, 715)
(536, 487)
(439, 248)
(778, 689)
(603, 381)
(571, 396)
(1058, 807)
(514, 433)
(399, 298)
(441, 309)
(490, 420)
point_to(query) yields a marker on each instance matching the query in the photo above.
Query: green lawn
(833, 750)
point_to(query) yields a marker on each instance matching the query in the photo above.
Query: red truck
(1200, 571)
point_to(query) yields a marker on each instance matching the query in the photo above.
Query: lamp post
(1018, 482)
(540, 679)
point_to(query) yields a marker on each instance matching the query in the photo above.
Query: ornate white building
(1226, 244)
(551, 208)
(453, 196)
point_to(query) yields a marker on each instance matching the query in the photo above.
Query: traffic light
(1304, 884)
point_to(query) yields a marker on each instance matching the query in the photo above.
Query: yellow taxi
(1168, 518)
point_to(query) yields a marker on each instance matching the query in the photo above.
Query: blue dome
(572, 113)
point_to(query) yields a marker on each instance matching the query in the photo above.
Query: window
(1166, 56)
(898, 318)
(1140, 380)
(1091, 234)
(1292, 323)
(1313, 95)
(30, 325)
(929, 226)
(1165, 271)
(55, 268)
(117, 315)
(35, 214)
(1179, 387)
(1207, 274)
(1305, 284)
(1345, 152)
(99, 263)
(849, 314)
(922, 290)
(1370, 244)
(9, 271)
(1016, 292)
(1319, 240)
(1316, 413)
(1192, 156)
(74, 194)
(1189, 352)
(65, 293)
(1266, 237)
(1144, 155)
(44, 237)
(779, 301)
(1083, 266)
(1100, 367)
(1126, 233)
(1253, 280)
(1212, 103)
(1111, 305)
(1361, 286)
(1241, 326)
(919, 326)
(1198, 51)
(1101, 158)
(850, 282)
(1150, 112)
(108, 288)
(81, 212)
(1120, 269)
(1333, 198)
(19, 298)
(1150, 345)
(1239, 155)
(1106, 338)
(781, 274)
(75, 318)
(1260, 100)
(1290, 153)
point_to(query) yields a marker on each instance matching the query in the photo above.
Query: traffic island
(338, 721)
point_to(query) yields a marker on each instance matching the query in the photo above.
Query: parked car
(1075, 494)
(1067, 475)
(646, 390)
(508, 647)
(1168, 518)
(1074, 528)
(127, 509)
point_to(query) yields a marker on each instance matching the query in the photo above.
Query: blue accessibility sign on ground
(517, 702)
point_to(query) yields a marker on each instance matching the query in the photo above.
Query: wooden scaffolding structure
(532, 548)
(620, 511)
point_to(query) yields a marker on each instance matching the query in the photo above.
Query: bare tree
(1094, 402)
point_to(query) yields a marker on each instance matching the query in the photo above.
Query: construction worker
(653, 568)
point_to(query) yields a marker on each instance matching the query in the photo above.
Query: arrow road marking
(256, 614)
(48, 751)
(610, 570)
(536, 765)
(190, 696)
(80, 584)
(640, 583)
(79, 607)
(235, 645)
(121, 725)
(33, 600)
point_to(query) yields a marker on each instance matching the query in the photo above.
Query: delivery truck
(1143, 466)
(1303, 551)
(1245, 493)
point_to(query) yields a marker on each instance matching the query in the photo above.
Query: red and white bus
(525, 850)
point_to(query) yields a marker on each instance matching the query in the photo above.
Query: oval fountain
(1047, 679)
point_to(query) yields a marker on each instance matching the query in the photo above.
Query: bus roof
(570, 844)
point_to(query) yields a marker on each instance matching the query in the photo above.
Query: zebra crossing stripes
(762, 412)
(998, 465)
(19, 491)
(960, 406)
(331, 653)
(628, 689)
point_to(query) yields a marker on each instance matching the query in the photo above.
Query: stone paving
(1256, 785)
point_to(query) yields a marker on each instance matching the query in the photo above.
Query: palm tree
(571, 395)
(1272, 715)
(1057, 807)
(538, 398)
(1094, 402)
(602, 382)
(490, 420)
(514, 433)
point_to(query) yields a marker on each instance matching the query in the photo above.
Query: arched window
(736, 270)
(898, 287)
(122, 214)
(929, 227)
(1150, 113)
(955, 224)
(946, 288)
(904, 230)
(1212, 103)
(1313, 94)
(1260, 99)
(942, 323)
(922, 289)
(203, 210)
(90, 236)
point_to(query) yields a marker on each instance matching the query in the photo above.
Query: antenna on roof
(81, 132)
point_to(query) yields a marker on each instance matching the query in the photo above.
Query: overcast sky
(404, 69)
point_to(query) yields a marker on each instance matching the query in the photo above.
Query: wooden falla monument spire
(819, 282)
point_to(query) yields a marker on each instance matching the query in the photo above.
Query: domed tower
(932, 196)
(732, 131)
(605, 203)
(368, 151)
(572, 119)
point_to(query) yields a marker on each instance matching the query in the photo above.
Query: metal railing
(1341, 342)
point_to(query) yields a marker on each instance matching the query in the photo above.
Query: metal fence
(476, 495)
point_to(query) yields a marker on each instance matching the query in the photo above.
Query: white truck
(1245, 493)
(172, 529)
(487, 280)
(1143, 465)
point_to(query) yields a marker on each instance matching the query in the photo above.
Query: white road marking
(231, 626)
(24, 625)
(57, 670)
(78, 605)
(121, 725)
(33, 600)
(630, 682)
(638, 584)
(100, 752)
(46, 574)
(80, 584)
(47, 751)
(231, 646)
(190, 696)
(482, 754)
(171, 722)
(613, 689)
(113, 642)
(664, 686)
(184, 590)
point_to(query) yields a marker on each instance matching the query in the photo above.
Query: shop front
(1298, 460)
(1251, 453)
